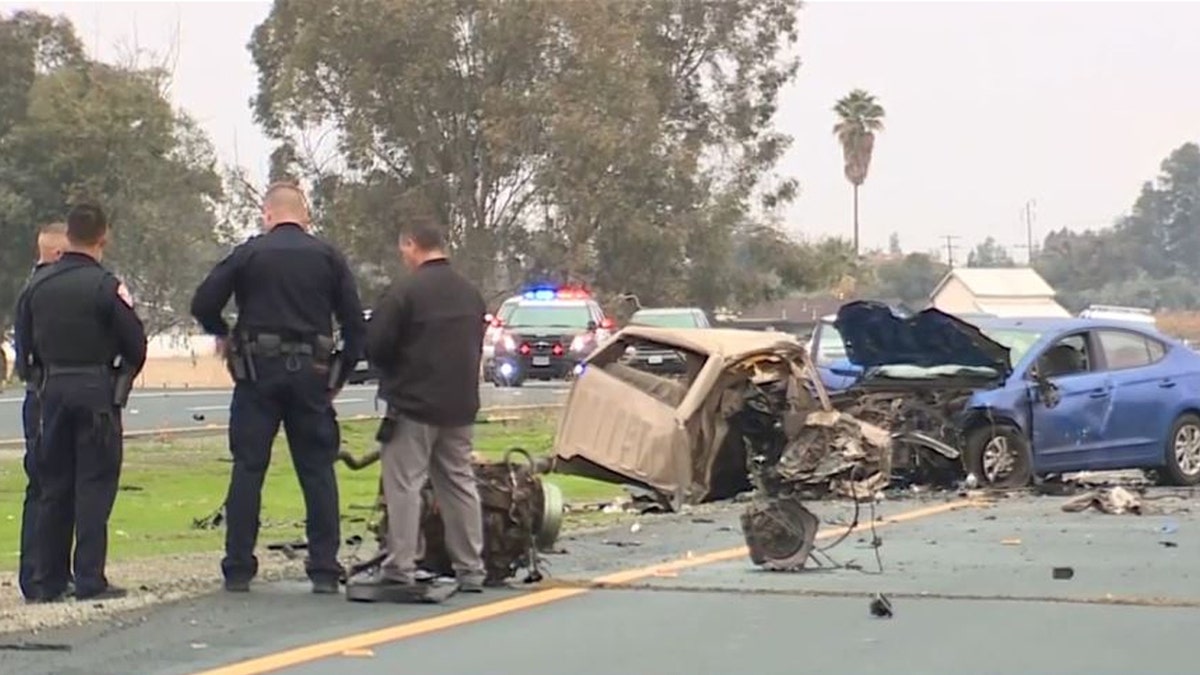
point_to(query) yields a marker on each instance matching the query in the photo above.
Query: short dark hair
(425, 233)
(86, 224)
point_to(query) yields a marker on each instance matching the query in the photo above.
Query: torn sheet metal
(1113, 501)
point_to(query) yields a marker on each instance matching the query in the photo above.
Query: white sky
(990, 104)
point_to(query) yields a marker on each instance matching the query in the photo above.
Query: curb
(485, 415)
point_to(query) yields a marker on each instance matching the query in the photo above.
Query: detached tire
(1182, 460)
(999, 456)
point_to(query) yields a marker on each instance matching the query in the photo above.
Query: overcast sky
(989, 104)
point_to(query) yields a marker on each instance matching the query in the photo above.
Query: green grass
(165, 486)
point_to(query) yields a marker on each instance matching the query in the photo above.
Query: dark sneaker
(237, 585)
(110, 593)
(325, 586)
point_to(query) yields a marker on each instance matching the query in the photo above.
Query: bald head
(284, 203)
(51, 242)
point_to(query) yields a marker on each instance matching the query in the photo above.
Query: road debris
(1113, 501)
(1063, 573)
(1013, 541)
(1169, 544)
(881, 607)
(521, 518)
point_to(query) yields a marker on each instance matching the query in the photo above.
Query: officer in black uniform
(85, 337)
(287, 284)
(51, 242)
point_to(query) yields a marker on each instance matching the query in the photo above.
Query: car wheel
(1182, 466)
(999, 456)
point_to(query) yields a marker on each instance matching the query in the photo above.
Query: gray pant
(418, 452)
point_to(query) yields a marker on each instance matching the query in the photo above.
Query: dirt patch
(199, 372)
(151, 581)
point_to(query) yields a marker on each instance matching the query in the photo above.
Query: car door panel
(1142, 388)
(1067, 433)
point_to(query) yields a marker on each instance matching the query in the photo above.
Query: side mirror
(1046, 391)
(591, 326)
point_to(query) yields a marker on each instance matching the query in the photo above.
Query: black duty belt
(52, 370)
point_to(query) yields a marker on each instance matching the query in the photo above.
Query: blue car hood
(875, 335)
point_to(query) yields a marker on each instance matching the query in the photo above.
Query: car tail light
(557, 349)
(525, 349)
(607, 323)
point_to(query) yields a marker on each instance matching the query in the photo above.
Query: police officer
(287, 285)
(51, 242)
(83, 334)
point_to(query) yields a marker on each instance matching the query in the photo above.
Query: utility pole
(1028, 212)
(950, 248)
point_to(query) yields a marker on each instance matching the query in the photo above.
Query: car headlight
(579, 344)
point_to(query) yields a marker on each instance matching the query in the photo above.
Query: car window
(1068, 356)
(1124, 349)
(1018, 341)
(830, 347)
(550, 316)
(664, 319)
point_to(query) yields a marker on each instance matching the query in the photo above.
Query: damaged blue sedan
(1024, 397)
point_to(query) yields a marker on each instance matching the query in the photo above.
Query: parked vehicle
(1026, 397)
(659, 359)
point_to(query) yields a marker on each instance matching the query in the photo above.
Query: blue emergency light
(554, 293)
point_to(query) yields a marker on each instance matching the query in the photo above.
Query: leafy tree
(860, 117)
(1148, 257)
(910, 279)
(95, 131)
(989, 253)
(628, 144)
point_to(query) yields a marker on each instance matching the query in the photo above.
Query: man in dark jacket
(426, 338)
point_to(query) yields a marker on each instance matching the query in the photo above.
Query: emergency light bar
(555, 293)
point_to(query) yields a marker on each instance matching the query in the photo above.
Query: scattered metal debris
(1063, 573)
(881, 607)
(1113, 501)
(522, 516)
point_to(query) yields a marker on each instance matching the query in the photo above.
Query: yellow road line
(354, 643)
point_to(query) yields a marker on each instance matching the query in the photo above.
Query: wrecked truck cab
(669, 433)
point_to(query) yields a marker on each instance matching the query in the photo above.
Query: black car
(657, 360)
(547, 339)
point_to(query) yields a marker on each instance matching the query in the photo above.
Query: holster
(238, 360)
(122, 385)
(387, 429)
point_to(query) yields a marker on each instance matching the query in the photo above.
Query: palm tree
(860, 117)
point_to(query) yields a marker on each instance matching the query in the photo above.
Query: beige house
(999, 291)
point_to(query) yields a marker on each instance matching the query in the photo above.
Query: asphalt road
(150, 410)
(972, 593)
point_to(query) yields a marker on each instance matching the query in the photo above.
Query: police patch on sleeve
(123, 293)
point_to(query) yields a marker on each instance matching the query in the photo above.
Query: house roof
(1002, 282)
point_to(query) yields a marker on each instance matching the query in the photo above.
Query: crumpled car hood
(875, 335)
